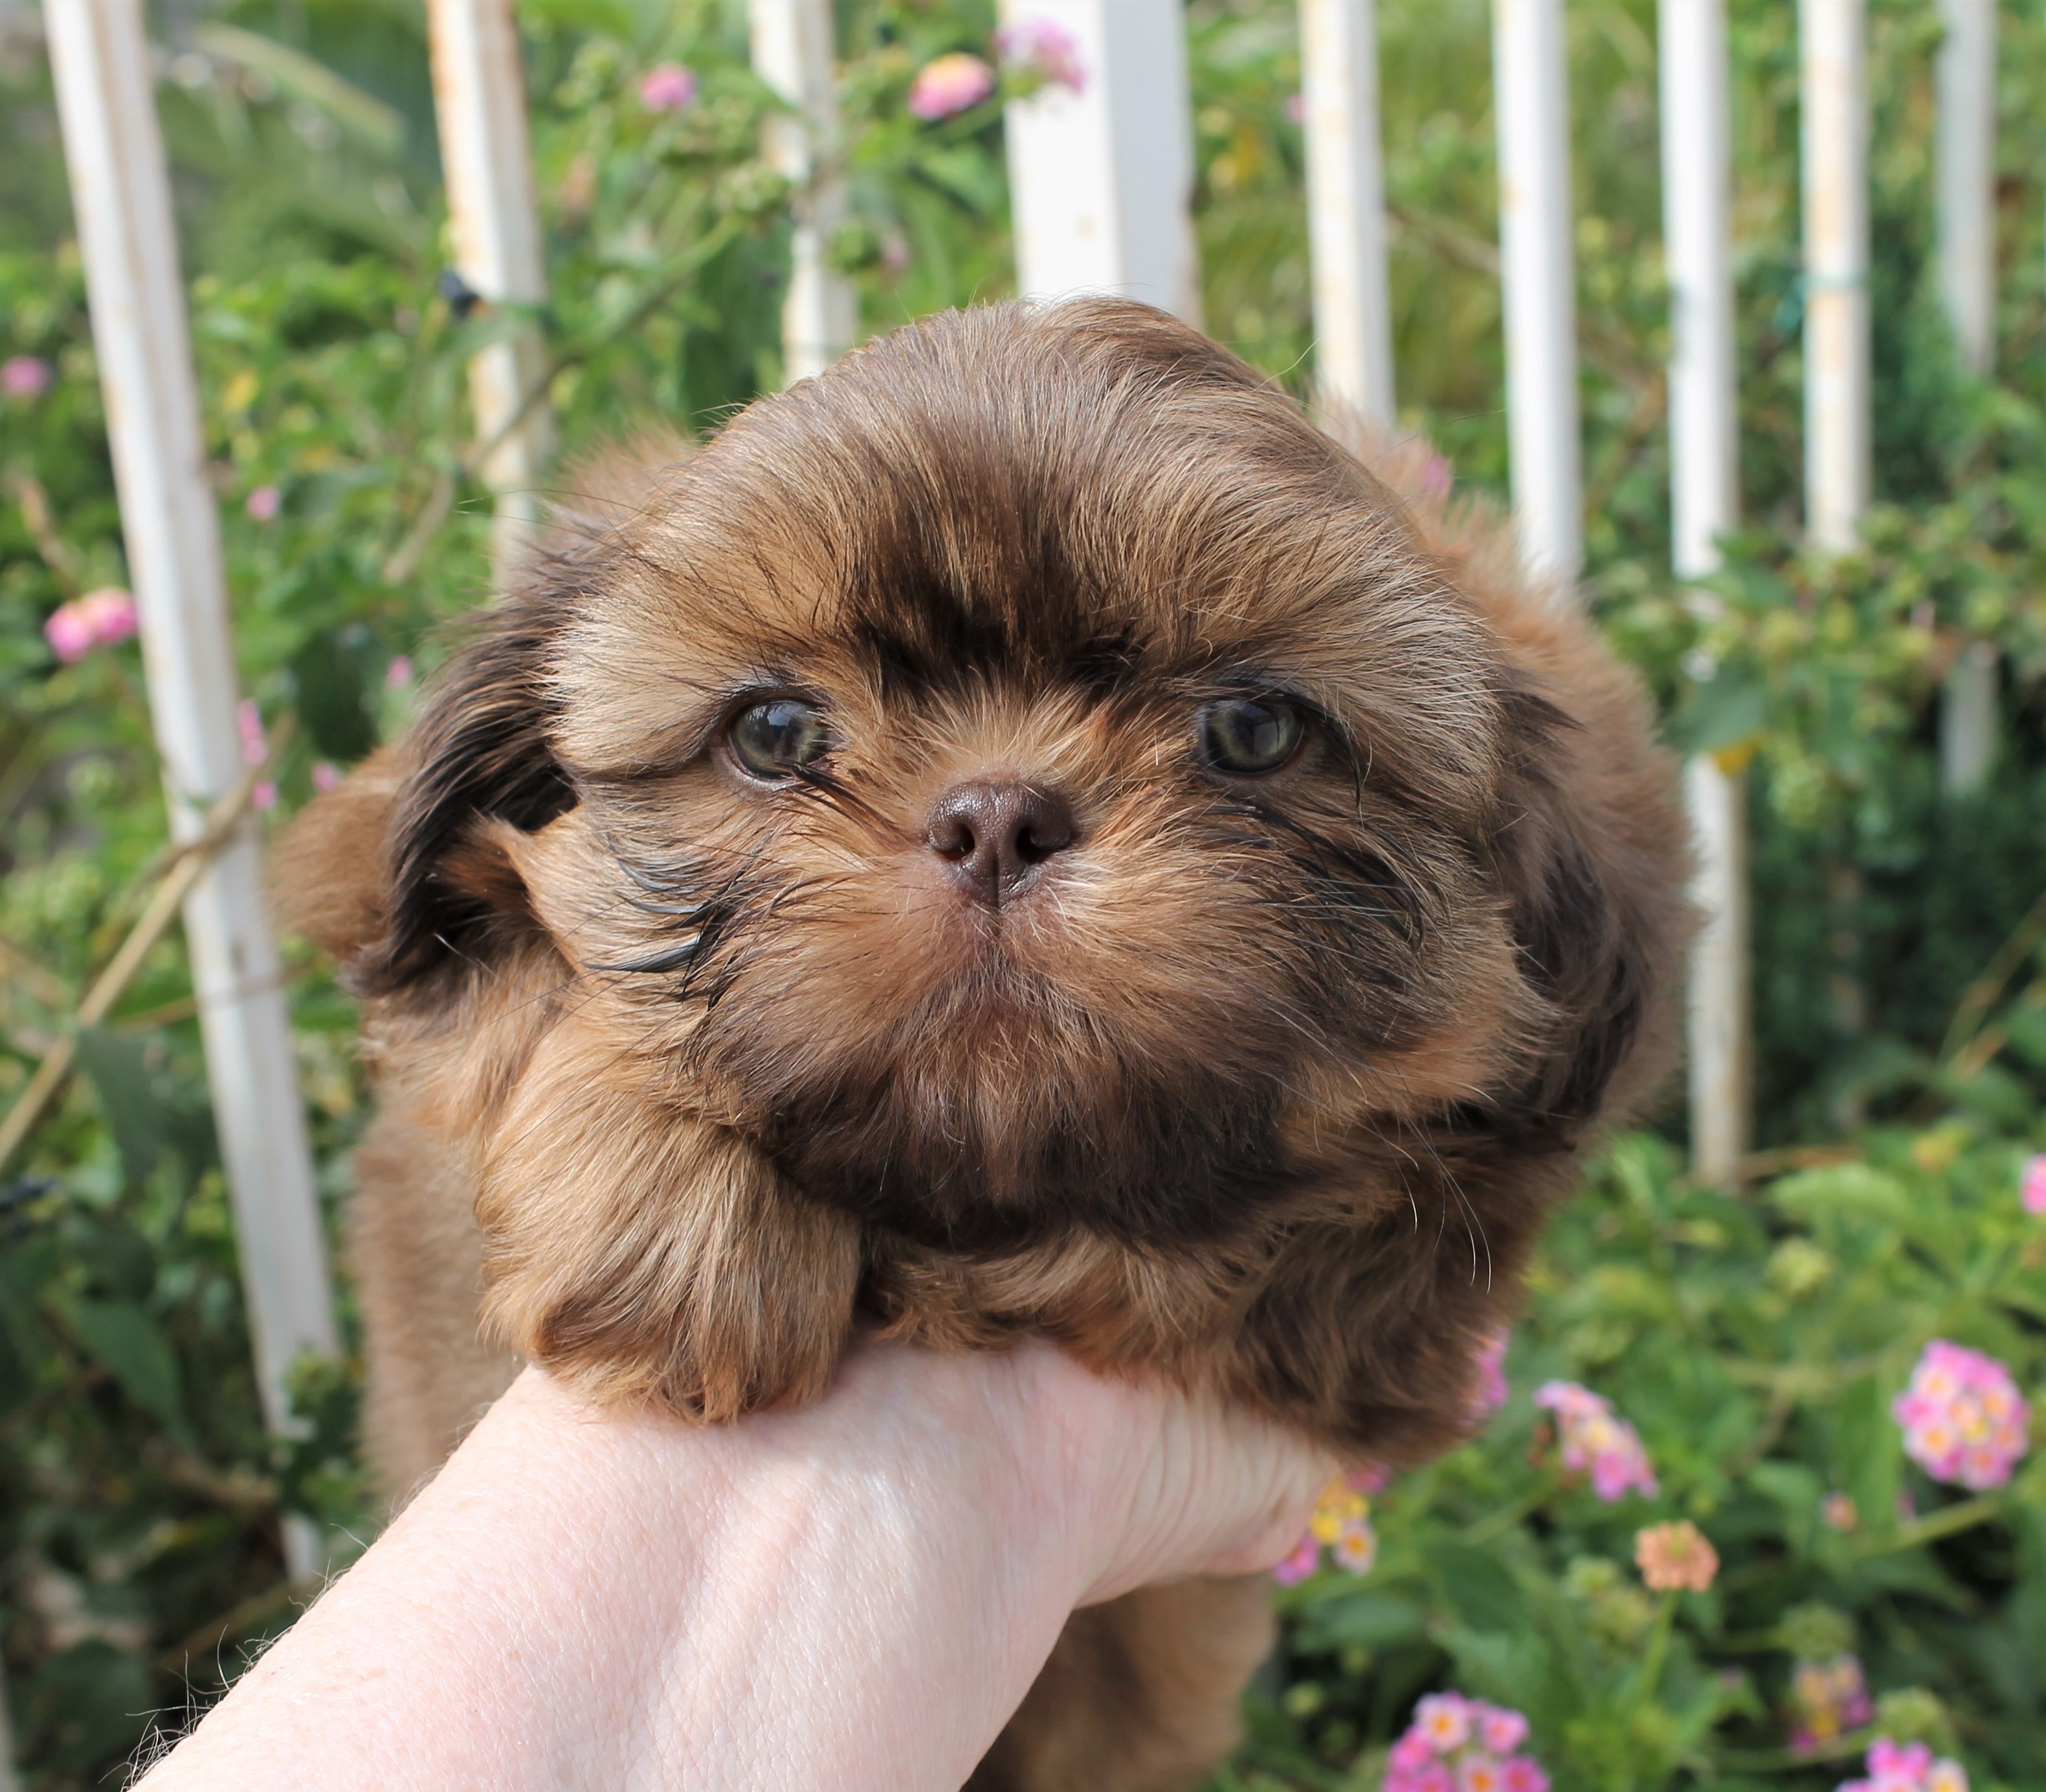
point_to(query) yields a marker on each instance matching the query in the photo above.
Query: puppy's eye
(1250, 735)
(777, 738)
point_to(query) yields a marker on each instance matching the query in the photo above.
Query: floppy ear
(479, 750)
(1594, 856)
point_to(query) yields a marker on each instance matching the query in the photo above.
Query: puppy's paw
(649, 1254)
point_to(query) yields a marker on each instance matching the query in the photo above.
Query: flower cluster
(1828, 1698)
(1594, 1440)
(1341, 1524)
(668, 87)
(1459, 1745)
(1675, 1557)
(1900, 1766)
(100, 618)
(949, 84)
(1964, 1420)
(2032, 1184)
(1042, 48)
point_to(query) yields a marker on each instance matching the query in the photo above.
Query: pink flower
(1911, 1761)
(1829, 1698)
(1594, 1440)
(1443, 1719)
(1840, 1513)
(1908, 1767)
(399, 673)
(248, 721)
(263, 502)
(1410, 1753)
(949, 84)
(26, 376)
(101, 618)
(1307, 1557)
(668, 87)
(1041, 48)
(326, 775)
(2032, 1184)
(1491, 1391)
(1523, 1773)
(1964, 1420)
(1501, 1731)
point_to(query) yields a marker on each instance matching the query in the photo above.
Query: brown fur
(1266, 1086)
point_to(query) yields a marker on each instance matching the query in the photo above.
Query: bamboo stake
(1346, 207)
(185, 867)
(1101, 180)
(479, 103)
(1704, 504)
(100, 58)
(1538, 262)
(1833, 76)
(794, 47)
(1966, 178)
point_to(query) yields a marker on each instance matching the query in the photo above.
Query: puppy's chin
(955, 1152)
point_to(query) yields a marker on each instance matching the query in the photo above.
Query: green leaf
(131, 1347)
(1476, 1585)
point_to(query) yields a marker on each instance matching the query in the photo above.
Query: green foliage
(1756, 1340)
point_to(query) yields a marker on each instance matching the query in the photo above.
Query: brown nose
(994, 836)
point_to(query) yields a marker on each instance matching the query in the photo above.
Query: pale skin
(856, 1595)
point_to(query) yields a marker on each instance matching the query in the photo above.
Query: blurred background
(1755, 1336)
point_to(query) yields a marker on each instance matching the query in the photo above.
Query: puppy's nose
(995, 835)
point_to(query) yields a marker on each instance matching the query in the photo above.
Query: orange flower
(1675, 1556)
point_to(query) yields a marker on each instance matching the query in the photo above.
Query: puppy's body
(1022, 834)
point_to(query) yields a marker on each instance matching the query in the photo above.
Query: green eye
(1250, 735)
(777, 738)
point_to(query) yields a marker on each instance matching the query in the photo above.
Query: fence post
(794, 46)
(1704, 504)
(100, 58)
(1537, 269)
(1833, 87)
(480, 105)
(1101, 180)
(1346, 207)
(1966, 172)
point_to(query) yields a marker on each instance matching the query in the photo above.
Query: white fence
(1102, 179)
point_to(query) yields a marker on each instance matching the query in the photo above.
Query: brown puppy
(1022, 834)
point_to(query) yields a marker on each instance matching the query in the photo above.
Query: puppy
(1022, 834)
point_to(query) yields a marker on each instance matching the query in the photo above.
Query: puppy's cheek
(650, 1254)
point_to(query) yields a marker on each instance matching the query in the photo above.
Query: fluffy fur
(1265, 1084)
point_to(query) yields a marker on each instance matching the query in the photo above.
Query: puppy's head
(1027, 778)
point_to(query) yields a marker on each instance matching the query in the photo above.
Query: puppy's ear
(479, 751)
(1592, 853)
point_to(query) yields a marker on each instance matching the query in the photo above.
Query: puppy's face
(1026, 778)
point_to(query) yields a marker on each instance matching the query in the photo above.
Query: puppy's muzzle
(996, 836)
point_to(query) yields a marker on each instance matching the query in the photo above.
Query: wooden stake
(1833, 76)
(1101, 180)
(102, 60)
(1966, 165)
(1346, 207)
(1537, 268)
(794, 50)
(480, 104)
(1704, 503)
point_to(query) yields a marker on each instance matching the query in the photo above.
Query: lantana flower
(1460, 1744)
(1912, 1767)
(263, 502)
(248, 723)
(948, 84)
(101, 618)
(26, 376)
(1341, 1524)
(1491, 1391)
(1964, 1420)
(1675, 1557)
(1827, 1698)
(1595, 1441)
(668, 87)
(1044, 49)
